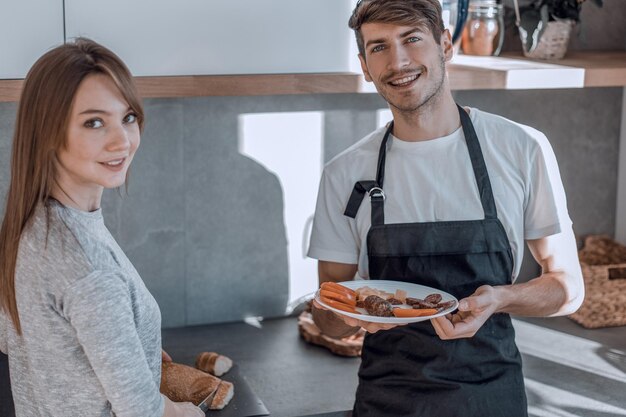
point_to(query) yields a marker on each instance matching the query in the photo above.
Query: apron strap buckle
(376, 193)
(358, 193)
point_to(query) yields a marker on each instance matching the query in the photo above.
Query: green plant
(535, 15)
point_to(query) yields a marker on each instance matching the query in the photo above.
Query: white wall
(290, 146)
(28, 28)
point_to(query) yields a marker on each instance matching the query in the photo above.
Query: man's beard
(430, 96)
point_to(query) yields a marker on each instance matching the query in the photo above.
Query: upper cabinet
(200, 37)
(28, 28)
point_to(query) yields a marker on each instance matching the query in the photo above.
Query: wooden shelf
(577, 70)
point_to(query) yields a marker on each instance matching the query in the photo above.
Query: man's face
(405, 63)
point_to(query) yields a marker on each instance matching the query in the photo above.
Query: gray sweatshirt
(91, 330)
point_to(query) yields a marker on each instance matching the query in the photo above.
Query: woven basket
(553, 42)
(603, 263)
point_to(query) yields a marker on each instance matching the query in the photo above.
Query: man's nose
(399, 58)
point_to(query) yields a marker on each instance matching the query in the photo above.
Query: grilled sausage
(419, 303)
(377, 306)
(433, 298)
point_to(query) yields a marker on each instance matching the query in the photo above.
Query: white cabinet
(193, 37)
(28, 28)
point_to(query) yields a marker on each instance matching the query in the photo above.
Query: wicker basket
(603, 263)
(553, 42)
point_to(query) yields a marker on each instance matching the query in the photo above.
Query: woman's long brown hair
(41, 126)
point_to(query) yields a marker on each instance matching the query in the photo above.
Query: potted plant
(545, 26)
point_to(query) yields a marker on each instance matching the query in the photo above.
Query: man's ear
(446, 45)
(366, 72)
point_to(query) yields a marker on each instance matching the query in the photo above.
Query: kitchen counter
(566, 367)
(290, 376)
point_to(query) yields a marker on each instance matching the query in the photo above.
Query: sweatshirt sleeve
(99, 308)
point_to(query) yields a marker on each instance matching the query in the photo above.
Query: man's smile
(404, 80)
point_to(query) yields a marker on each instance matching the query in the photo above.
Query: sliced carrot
(342, 298)
(414, 312)
(338, 288)
(338, 305)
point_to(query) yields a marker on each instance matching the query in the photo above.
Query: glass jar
(483, 33)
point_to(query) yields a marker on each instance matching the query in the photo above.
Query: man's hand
(366, 325)
(338, 272)
(473, 312)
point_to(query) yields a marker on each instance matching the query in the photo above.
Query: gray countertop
(566, 367)
(290, 376)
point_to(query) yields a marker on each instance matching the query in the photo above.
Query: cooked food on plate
(376, 302)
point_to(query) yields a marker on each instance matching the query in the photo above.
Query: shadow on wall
(236, 246)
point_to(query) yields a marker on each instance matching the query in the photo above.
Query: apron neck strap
(375, 188)
(382, 156)
(478, 164)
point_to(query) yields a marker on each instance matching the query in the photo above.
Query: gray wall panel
(7, 121)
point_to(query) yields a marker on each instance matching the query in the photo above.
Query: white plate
(412, 290)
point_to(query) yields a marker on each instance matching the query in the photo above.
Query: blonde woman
(81, 329)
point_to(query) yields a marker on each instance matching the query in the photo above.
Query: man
(454, 194)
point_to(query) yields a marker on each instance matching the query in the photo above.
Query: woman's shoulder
(49, 249)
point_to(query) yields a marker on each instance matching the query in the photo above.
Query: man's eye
(130, 118)
(94, 123)
(377, 48)
(414, 39)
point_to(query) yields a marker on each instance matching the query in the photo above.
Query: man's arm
(335, 272)
(559, 290)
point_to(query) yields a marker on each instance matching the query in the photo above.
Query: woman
(81, 329)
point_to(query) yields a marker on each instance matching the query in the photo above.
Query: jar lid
(485, 6)
(484, 3)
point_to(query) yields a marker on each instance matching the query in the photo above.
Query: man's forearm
(546, 295)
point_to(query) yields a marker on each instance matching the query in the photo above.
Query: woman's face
(102, 138)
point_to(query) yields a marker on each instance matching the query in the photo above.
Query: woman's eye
(94, 123)
(130, 118)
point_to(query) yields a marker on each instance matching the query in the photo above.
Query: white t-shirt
(433, 180)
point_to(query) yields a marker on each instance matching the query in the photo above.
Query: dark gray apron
(409, 370)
